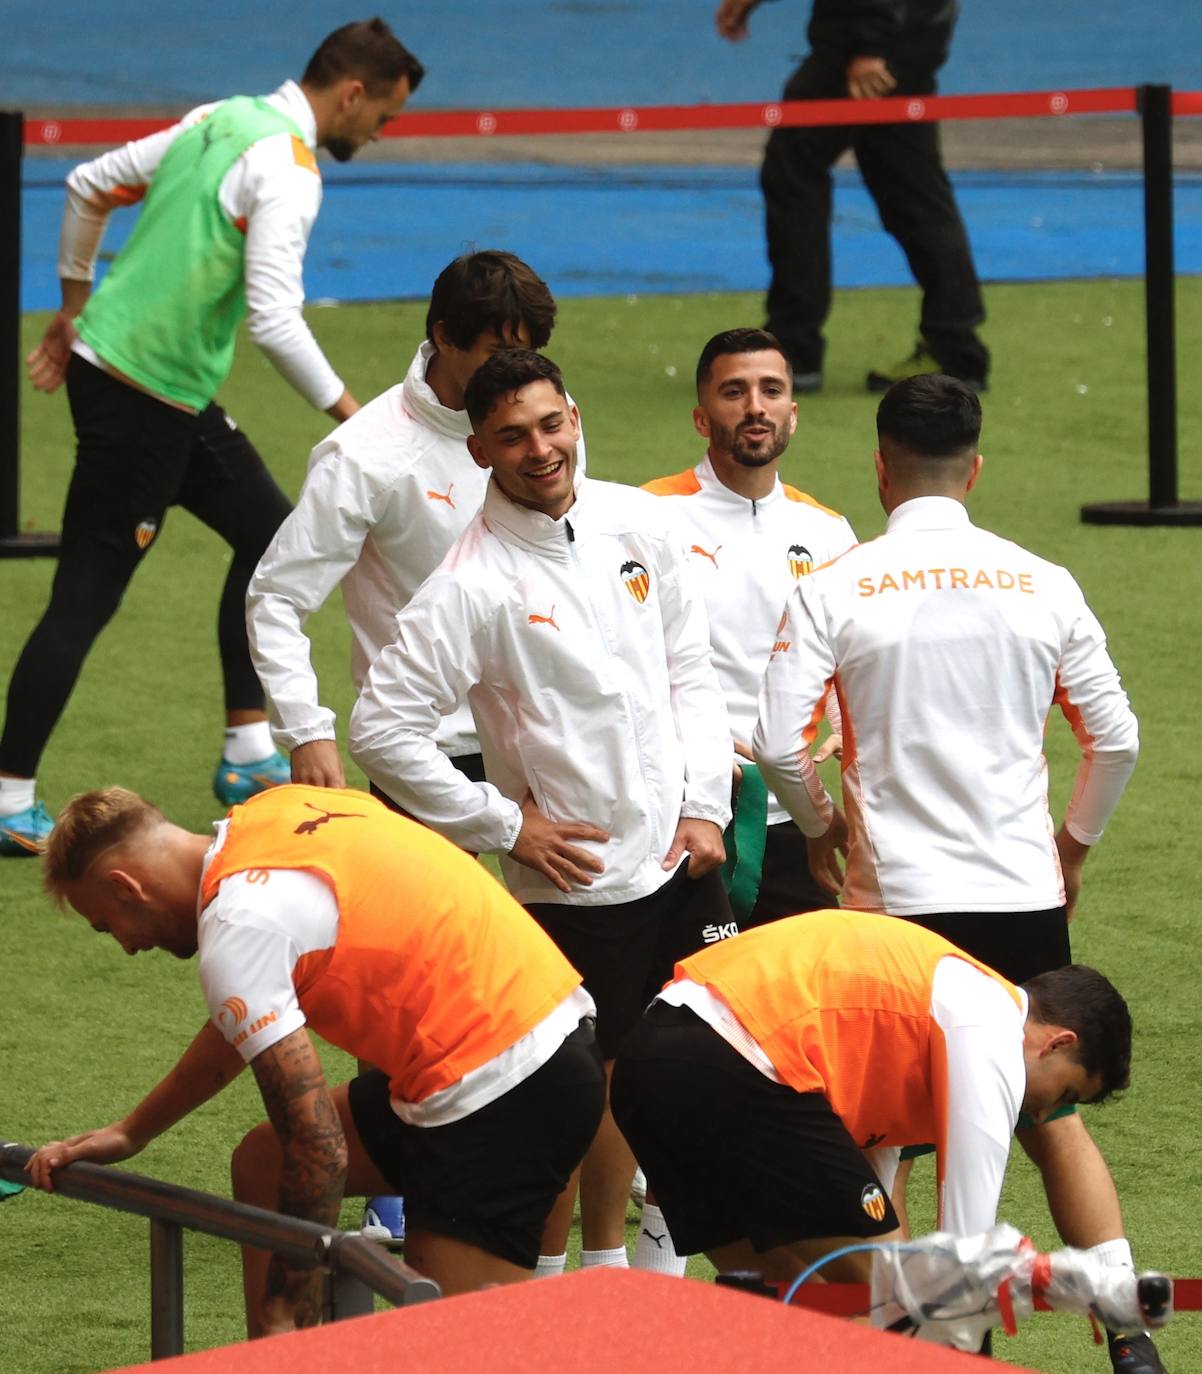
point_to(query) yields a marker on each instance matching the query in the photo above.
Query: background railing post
(166, 1289)
(13, 544)
(1162, 506)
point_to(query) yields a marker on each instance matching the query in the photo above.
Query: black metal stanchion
(1162, 506)
(13, 544)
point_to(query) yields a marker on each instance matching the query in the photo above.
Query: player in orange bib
(800, 1056)
(319, 908)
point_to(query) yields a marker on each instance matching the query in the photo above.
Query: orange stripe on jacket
(435, 970)
(302, 155)
(679, 484)
(840, 1002)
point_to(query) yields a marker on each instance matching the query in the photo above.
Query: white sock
(1115, 1254)
(550, 1266)
(612, 1259)
(248, 743)
(655, 1251)
(16, 794)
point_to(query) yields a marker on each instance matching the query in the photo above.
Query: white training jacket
(387, 494)
(747, 556)
(948, 647)
(268, 191)
(582, 646)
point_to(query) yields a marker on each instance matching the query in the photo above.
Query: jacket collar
(424, 406)
(294, 103)
(715, 487)
(531, 529)
(929, 513)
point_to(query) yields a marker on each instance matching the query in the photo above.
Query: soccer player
(322, 909)
(386, 496)
(948, 648)
(567, 617)
(750, 537)
(797, 1058)
(231, 194)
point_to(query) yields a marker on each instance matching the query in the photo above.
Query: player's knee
(255, 1164)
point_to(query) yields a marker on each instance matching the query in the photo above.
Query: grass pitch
(85, 1031)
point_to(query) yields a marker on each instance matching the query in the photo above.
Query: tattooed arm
(313, 1171)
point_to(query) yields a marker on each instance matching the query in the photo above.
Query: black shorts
(787, 887)
(730, 1154)
(1016, 944)
(490, 1179)
(626, 952)
(470, 765)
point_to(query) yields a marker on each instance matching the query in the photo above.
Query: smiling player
(567, 617)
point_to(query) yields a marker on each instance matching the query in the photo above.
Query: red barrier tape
(652, 118)
(854, 1299)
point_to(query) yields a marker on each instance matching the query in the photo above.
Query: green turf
(84, 1030)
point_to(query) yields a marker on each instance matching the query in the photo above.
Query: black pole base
(1142, 513)
(29, 546)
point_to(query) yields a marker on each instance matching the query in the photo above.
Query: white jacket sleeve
(698, 704)
(96, 188)
(424, 674)
(311, 553)
(279, 200)
(986, 1078)
(792, 701)
(1092, 698)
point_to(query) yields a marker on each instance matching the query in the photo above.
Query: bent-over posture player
(797, 1058)
(322, 908)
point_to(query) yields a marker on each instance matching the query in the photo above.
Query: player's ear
(126, 886)
(977, 464)
(701, 421)
(438, 337)
(476, 449)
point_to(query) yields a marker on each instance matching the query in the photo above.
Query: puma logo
(705, 553)
(545, 620)
(872, 1142)
(659, 1240)
(308, 827)
(442, 496)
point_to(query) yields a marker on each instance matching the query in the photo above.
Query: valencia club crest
(637, 579)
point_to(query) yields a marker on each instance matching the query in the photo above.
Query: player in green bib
(231, 193)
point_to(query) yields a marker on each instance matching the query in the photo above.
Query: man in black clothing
(867, 50)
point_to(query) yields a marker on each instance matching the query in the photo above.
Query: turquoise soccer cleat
(24, 835)
(234, 783)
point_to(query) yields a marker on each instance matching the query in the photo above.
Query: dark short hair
(738, 341)
(368, 49)
(930, 416)
(507, 371)
(1085, 1001)
(490, 290)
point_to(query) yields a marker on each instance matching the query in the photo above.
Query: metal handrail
(170, 1207)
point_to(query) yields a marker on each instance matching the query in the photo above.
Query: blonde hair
(89, 824)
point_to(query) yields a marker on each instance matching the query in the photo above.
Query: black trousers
(135, 458)
(903, 170)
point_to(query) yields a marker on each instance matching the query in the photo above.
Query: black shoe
(806, 383)
(921, 362)
(1134, 1354)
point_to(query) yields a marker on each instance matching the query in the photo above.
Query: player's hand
(731, 18)
(702, 841)
(1072, 861)
(107, 1145)
(832, 746)
(46, 366)
(869, 78)
(318, 763)
(545, 846)
(824, 851)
